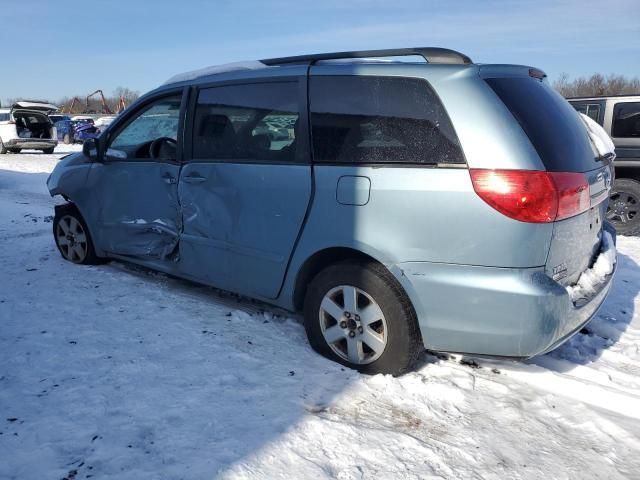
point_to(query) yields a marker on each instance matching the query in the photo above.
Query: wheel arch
(320, 260)
(70, 204)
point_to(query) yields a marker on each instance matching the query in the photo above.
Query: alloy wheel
(353, 324)
(623, 207)
(72, 239)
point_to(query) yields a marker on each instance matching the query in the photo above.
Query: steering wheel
(155, 148)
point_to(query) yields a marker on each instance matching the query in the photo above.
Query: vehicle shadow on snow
(606, 328)
(136, 371)
(223, 378)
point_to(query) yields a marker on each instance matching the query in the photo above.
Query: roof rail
(430, 54)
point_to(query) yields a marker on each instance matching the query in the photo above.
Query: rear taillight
(533, 196)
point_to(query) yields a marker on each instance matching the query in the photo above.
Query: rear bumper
(32, 143)
(493, 311)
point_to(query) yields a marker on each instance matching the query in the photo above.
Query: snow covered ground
(116, 372)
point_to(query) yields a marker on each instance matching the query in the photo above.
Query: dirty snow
(591, 279)
(118, 372)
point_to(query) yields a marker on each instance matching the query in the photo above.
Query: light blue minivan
(401, 205)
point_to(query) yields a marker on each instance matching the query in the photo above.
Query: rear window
(551, 123)
(356, 119)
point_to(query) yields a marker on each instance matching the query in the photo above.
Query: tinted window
(379, 120)
(626, 120)
(253, 122)
(160, 119)
(553, 126)
(580, 107)
(4, 117)
(590, 109)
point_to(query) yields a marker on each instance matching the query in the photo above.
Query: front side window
(626, 120)
(159, 120)
(380, 120)
(252, 122)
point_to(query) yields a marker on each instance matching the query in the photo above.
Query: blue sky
(54, 48)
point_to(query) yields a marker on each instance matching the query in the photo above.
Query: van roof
(432, 55)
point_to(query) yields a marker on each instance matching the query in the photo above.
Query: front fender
(69, 180)
(69, 176)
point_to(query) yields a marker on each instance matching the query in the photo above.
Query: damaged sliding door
(137, 181)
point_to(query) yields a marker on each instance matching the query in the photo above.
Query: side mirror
(90, 148)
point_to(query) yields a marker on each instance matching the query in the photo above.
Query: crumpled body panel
(140, 212)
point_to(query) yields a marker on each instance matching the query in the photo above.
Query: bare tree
(596, 85)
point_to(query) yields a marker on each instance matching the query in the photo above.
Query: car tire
(359, 339)
(624, 206)
(67, 139)
(48, 151)
(15, 150)
(72, 237)
(3, 149)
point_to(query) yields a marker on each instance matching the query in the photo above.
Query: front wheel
(624, 206)
(48, 151)
(72, 237)
(67, 139)
(357, 314)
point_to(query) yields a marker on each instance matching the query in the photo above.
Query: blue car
(65, 130)
(84, 130)
(76, 131)
(397, 205)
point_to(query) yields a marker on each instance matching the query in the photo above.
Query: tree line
(597, 85)
(113, 101)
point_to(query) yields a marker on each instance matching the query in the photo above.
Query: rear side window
(551, 123)
(252, 122)
(4, 117)
(626, 120)
(380, 120)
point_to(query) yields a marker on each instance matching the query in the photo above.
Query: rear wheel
(15, 150)
(624, 206)
(48, 151)
(3, 149)
(72, 237)
(357, 314)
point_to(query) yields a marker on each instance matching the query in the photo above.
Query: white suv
(27, 125)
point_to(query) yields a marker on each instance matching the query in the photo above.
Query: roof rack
(430, 54)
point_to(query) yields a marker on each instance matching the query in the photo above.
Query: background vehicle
(410, 205)
(26, 125)
(55, 118)
(620, 117)
(84, 130)
(65, 130)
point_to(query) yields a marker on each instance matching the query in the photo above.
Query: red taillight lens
(573, 193)
(532, 196)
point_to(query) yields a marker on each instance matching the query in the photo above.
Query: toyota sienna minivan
(435, 204)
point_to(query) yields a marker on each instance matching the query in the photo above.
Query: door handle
(194, 179)
(170, 179)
